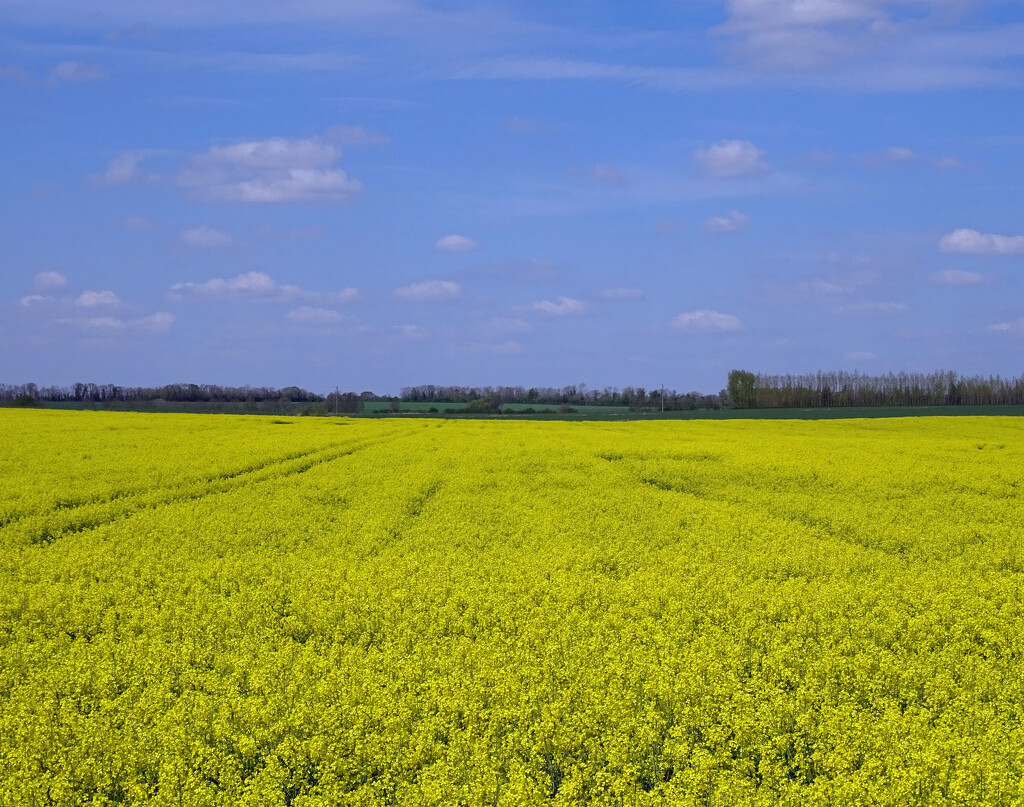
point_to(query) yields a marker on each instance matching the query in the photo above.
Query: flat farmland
(235, 610)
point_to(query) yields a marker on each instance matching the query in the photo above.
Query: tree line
(744, 390)
(747, 390)
(178, 393)
(572, 395)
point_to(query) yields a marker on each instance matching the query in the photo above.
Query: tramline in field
(225, 610)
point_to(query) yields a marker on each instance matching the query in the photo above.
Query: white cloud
(947, 163)
(859, 356)
(30, 300)
(563, 306)
(276, 152)
(866, 307)
(205, 237)
(308, 315)
(504, 325)
(827, 287)
(429, 290)
(356, 136)
(249, 284)
(343, 295)
(49, 281)
(97, 324)
(77, 72)
(507, 348)
(802, 34)
(456, 243)
(704, 320)
(731, 158)
(297, 185)
(157, 323)
(974, 243)
(622, 293)
(95, 299)
(124, 169)
(256, 286)
(895, 155)
(732, 223)
(1017, 326)
(957, 277)
(270, 171)
(412, 332)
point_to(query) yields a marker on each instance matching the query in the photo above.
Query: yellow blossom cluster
(218, 610)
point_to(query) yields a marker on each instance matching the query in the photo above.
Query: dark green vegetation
(812, 396)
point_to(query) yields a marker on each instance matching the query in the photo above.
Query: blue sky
(377, 193)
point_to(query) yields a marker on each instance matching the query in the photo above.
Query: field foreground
(216, 610)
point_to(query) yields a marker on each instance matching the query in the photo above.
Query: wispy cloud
(347, 135)
(97, 299)
(270, 171)
(157, 323)
(706, 320)
(124, 169)
(49, 281)
(254, 286)
(957, 277)
(733, 222)
(1013, 327)
(862, 356)
(429, 290)
(249, 284)
(972, 242)
(73, 72)
(310, 315)
(894, 155)
(731, 159)
(622, 293)
(876, 307)
(563, 306)
(456, 243)
(205, 237)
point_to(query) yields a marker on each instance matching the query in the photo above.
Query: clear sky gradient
(377, 193)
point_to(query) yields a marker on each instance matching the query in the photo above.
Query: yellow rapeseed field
(217, 610)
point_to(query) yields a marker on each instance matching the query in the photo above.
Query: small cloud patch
(731, 159)
(308, 315)
(732, 223)
(429, 290)
(972, 242)
(97, 299)
(73, 72)
(456, 243)
(49, 281)
(957, 277)
(706, 320)
(205, 237)
(562, 307)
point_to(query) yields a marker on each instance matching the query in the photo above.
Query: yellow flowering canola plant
(211, 610)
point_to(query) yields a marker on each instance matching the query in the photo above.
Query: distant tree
(742, 389)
